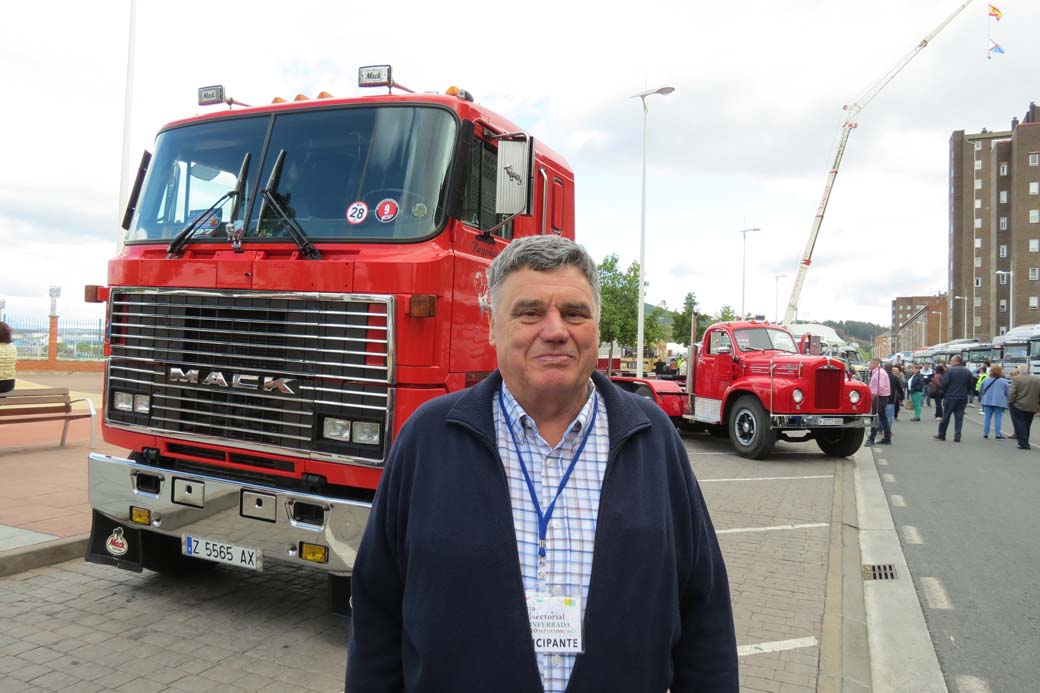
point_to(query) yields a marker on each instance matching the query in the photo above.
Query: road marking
(775, 646)
(971, 684)
(935, 593)
(883, 463)
(774, 528)
(898, 501)
(888, 478)
(768, 478)
(911, 535)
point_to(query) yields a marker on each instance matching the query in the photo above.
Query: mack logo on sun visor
(240, 381)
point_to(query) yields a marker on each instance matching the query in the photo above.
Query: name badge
(555, 623)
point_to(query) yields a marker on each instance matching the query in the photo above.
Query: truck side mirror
(514, 185)
(723, 350)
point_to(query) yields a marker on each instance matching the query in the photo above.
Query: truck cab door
(715, 365)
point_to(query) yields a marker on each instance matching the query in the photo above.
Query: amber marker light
(141, 516)
(315, 553)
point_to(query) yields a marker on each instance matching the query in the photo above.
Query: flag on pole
(995, 12)
(995, 48)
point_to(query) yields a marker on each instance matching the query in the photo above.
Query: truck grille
(828, 387)
(256, 370)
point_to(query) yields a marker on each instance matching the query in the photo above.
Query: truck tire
(841, 443)
(163, 555)
(749, 429)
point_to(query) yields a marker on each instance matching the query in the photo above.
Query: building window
(1003, 306)
(978, 223)
(978, 242)
(978, 146)
(978, 184)
(1034, 245)
(1034, 187)
(978, 322)
(978, 262)
(978, 300)
(1003, 329)
(1003, 279)
(1003, 168)
(1003, 197)
(1034, 302)
(1034, 273)
(1034, 159)
(1034, 216)
(978, 282)
(1003, 223)
(978, 204)
(978, 164)
(1003, 250)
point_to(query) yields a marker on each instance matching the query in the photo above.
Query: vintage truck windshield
(764, 339)
(1016, 352)
(360, 173)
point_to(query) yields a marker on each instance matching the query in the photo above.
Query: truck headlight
(336, 429)
(366, 433)
(854, 396)
(123, 401)
(797, 396)
(142, 404)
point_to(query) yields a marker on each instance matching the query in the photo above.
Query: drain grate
(879, 571)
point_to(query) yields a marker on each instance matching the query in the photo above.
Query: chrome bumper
(227, 511)
(794, 421)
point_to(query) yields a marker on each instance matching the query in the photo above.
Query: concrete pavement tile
(30, 672)
(60, 681)
(166, 675)
(80, 668)
(16, 686)
(142, 685)
(40, 655)
(114, 679)
(223, 673)
(254, 682)
(195, 683)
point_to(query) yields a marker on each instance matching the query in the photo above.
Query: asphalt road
(967, 518)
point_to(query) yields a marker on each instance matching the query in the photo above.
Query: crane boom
(847, 127)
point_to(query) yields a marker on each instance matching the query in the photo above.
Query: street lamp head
(663, 91)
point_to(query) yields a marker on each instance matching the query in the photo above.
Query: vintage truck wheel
(841, 443)
(749, 430)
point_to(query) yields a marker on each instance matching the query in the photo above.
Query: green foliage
(681, 320)
(725, 314)
(619, 294)
(861, 332)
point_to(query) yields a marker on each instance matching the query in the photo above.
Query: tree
(725, 313)
(683, 320)
(619, 310)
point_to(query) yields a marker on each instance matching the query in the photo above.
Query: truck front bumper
(251, 515)
(797, 421)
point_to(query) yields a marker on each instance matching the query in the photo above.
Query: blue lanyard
(543, 519)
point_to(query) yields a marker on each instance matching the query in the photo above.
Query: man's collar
(517, 415)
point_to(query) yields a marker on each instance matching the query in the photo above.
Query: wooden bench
(45, 404)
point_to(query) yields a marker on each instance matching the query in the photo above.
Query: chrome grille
(204, 357)
(828, 387)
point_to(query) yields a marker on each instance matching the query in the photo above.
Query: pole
(642, 255)
(1011, 316)
(128, 98)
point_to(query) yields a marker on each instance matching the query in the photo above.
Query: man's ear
(491, 328)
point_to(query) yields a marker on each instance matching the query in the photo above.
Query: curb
(43, 554)
(902, 655)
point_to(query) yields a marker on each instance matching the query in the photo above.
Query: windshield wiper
(270, 199)
(176, 247)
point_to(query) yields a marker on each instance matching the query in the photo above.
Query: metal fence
(78, 340)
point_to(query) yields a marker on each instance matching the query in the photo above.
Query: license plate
(221, 552)
(831, 421)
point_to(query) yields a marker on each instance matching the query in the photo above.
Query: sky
(746, 140)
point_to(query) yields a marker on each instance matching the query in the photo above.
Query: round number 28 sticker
(357, 213)
(386, 210)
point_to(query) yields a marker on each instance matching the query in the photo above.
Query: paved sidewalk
(43, 486)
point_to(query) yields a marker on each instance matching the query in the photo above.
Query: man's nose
(554, 328)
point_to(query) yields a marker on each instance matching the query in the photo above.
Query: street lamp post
(964, 328)
(663, 91)
(939, 313)
(776, 295)
(1011, 296)
(743, 271)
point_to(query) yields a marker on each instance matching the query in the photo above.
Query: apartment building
(994, 238)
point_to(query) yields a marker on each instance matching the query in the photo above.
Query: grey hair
(541, 254)
(1023, 369)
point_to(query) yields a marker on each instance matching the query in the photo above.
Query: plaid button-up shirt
(571, 534)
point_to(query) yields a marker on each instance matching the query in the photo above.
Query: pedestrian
(895, 374)
(8, 359)
(935, 390)
(659, 366)
(993, 396)
(927, 373)
(500, 503)
(880, 390)
(1023, 403)
(916, 387)
(956, 383)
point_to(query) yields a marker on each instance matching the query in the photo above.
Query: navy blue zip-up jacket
(437, 590)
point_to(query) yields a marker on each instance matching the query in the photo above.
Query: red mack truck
(297, 279)
(748, 381)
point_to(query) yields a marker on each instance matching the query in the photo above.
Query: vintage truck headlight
(336, 429)
(123, 401)
(797, 396)
(854, 396)
(366, 433)
(142, 404)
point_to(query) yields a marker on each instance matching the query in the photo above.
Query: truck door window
(718, 339)
(478, 208)
(557, 205)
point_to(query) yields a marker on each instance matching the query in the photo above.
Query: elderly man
(1023, 403)
(956, 384)
(880, 392)
(542, 530)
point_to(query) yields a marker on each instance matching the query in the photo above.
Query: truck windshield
(1015, 352)
(763, 339)
(1034, 349)
(356, 173)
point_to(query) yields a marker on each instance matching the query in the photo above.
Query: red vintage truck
(748, 381)
(297, 279)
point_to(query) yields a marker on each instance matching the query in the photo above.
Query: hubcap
(745, 427)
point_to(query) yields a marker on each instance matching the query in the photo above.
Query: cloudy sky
(746, 139)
